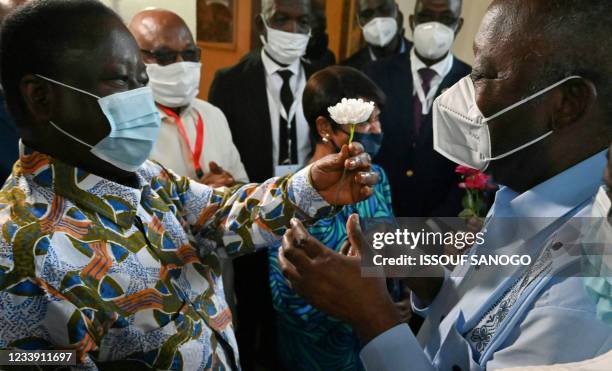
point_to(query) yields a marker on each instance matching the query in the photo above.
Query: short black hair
(35, 37)
(581, 35)
(327, 87)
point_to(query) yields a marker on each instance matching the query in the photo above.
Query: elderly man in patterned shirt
(97, 246)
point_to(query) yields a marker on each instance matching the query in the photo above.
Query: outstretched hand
(359, 180)
(332, 282)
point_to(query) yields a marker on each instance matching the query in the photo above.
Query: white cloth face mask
(284, 47)
(433, 40)
(380, 31)
(460, 130)
(175, 85)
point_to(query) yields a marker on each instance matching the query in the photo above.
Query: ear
(411, 22)
(38, 97)
(459, 25)
(574, 100)
(323, 127)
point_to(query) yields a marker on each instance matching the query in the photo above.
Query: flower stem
(344, 171)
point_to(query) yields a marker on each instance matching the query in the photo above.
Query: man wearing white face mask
(381, 23)
(423, 183)
(539, 118)
(194, 139)
(261, 97)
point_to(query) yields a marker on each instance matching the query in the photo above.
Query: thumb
(340, 158)
(355, 235)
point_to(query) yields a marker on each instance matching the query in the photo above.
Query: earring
(325, 138)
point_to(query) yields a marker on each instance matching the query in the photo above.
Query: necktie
(287, 133)
(427, 74)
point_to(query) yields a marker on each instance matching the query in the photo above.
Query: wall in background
(472, 12)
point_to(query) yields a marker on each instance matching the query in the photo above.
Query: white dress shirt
(273, 87)
(171, 151)
(552, 321)
(441, 68)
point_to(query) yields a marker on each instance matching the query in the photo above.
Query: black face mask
(371, 142)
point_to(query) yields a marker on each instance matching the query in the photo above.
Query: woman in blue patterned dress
(307, 338)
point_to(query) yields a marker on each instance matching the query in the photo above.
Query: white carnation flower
(351, 111)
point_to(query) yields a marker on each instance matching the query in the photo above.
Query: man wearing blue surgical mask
(102, 251)
(195, 139)
(539, 117)
(423, 182)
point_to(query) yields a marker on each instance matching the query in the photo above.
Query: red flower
(476, 181)
(464, 170)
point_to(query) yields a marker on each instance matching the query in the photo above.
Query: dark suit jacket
(240, 92)
(362, 59)
(423, 182)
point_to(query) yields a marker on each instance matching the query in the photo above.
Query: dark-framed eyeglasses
(165, 56)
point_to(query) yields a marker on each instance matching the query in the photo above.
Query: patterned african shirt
(113, 271)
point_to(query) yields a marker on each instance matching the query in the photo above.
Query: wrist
(376, 321)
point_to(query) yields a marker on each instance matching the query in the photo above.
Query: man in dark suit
(423, 183)
(261, 97)
(382, 25)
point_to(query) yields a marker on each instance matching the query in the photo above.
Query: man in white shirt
(539, 118)
(194, 139)
(262, 94)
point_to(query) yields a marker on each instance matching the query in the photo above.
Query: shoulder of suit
(244, 65)
(461, 66)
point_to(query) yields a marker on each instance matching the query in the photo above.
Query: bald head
(7, 6)
(160, 29)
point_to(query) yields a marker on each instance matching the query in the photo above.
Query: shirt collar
(111, 200)
(441, 68)
(401, 51)
(272, 67)
(555, 197)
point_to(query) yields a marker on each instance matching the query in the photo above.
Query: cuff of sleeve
(305, 197)
(390, 350)
(418, 307)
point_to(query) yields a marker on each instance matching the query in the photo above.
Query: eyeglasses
(165, 56)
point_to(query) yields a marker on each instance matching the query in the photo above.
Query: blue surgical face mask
(597, 260)
(371, 142)
(134, 121)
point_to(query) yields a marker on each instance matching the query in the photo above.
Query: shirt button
(409, 173)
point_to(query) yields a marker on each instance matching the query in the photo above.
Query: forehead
(439, 6)
(157, 32)
(298, 7)
(373, 4)
(115, 46)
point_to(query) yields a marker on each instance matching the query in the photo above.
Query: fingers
(304, 241)
(293, 255)
(362, 161)
(355, 235)
(367, 178)
(355, 149)
(288, 269)
(214, 168)
(346, 248)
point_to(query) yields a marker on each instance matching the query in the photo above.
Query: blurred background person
(317, 53)
(261, 97)
(195, 139)
(423, 182)
(382, 25)
(309, 339)
(9, 139)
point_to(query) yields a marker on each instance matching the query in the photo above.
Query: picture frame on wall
(216, 23)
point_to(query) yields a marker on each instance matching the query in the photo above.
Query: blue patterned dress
(307, 338)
